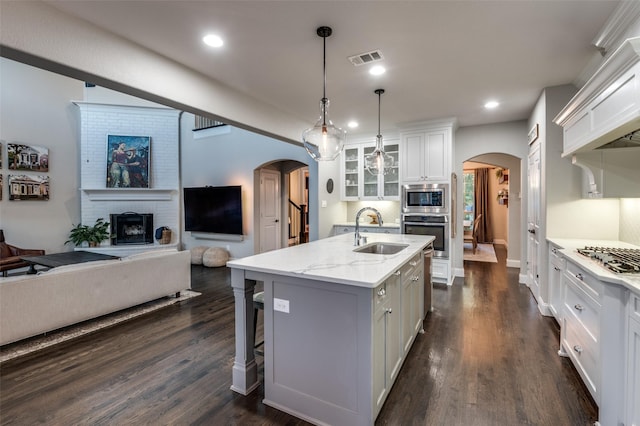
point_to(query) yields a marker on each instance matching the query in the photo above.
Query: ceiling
(443, 58)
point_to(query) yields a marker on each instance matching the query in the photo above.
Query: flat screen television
(213, 209)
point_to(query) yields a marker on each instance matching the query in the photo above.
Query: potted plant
(93, 235)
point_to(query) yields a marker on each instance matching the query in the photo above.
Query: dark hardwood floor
(487, 358)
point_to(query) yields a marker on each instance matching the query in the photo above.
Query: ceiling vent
(366, 58)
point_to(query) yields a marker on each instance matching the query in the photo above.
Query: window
(469, 198)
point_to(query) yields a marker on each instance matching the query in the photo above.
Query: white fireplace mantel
(129, 194)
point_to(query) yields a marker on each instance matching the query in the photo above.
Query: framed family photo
(128, 161)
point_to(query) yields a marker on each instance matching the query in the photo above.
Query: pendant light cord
(379, 102)
(324, 81)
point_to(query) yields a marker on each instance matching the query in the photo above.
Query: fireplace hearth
(131, 228)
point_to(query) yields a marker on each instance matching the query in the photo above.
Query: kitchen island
(337, 325)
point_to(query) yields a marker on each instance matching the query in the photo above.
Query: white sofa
(62, 296)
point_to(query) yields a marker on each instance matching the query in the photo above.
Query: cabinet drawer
(584, 280)
(379, 297)
(555, 258)
(583, 308)
(409, 268)
(439, 269)
(583, 351)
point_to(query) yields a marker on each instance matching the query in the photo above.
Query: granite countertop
(333, 260)
(569, 247)
(369, 225)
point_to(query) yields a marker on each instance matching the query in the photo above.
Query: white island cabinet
(334, 325)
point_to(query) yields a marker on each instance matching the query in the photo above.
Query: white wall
(503, 144)
(230, 159)
(36, 109)
(630, 220)
(31, 32)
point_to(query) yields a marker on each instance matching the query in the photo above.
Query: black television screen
(213, 209)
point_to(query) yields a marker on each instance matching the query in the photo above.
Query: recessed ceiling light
(353, 124)
(213, 40)
(377, 70)
(491, 104)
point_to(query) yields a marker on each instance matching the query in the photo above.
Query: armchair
(10, 255)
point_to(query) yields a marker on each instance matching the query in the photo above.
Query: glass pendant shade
(324, 141)
(378, 162)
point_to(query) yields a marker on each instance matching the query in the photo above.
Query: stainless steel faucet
(363, 240)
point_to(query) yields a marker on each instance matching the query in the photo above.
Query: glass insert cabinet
(359, 184)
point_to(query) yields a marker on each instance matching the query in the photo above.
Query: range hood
(605, 113)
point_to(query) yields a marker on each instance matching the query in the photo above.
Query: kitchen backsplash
(630, 220)
(390, 210)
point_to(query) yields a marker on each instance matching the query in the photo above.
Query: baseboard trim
(513, 263)
(458, 272)
(522, 279)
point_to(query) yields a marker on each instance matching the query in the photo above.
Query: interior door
(533, 222)
(270, 223)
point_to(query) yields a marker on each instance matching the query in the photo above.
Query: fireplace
(131, 228)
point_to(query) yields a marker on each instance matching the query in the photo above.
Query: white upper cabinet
(608, 105)
(358, 184)
(425, 155)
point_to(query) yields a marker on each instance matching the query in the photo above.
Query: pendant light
(378, 162)
(324, 141)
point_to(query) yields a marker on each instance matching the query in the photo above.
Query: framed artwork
(27, 187)
(128, 161)
(28, 157)
(533, 134)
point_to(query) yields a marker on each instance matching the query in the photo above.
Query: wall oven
(436, 225)
(425, 198)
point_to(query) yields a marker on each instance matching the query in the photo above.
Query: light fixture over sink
(324, 141)
(378, 162)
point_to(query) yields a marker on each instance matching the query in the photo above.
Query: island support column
(245, 369)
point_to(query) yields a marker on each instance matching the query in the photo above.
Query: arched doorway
(504, 212)
(281, 190)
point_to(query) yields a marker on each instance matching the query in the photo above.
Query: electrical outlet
(281, 305)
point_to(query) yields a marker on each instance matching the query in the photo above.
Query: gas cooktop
(618, 260)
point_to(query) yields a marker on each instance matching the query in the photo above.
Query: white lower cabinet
(632, 386)
(580, 327)
(440, 270)
(594, 335)
(387, 346)
(412, 295)
(397, 318)
(556, 266)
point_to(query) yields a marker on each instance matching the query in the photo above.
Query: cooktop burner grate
(618, 260)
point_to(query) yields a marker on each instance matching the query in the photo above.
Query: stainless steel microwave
(425, 198)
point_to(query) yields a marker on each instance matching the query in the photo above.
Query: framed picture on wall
(28, 157)
(28, 188)
(128, 161)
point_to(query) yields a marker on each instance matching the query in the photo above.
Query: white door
(270, 224)
(533, 222)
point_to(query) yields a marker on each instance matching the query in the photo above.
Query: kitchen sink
(381, 248)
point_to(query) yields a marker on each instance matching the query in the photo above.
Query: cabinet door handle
(397, 273)
(389, 310)
(415, 278)
(578, 349)
(382, 292)
(556, 268)
(554, 251)
(578, 307)
(412, 263)
(580, 277)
